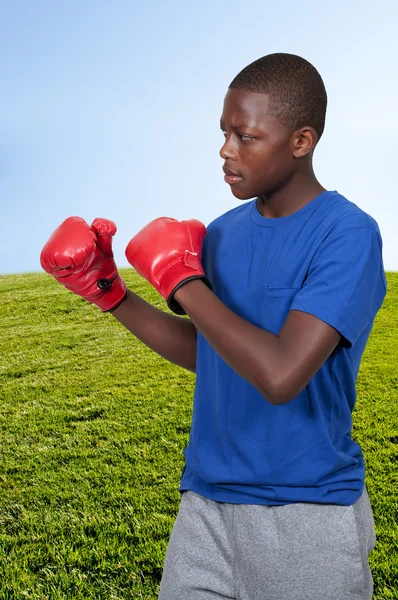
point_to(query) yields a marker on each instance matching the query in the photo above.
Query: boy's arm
(172, 337)
(278, 366)
(167, 253)
(344, 289)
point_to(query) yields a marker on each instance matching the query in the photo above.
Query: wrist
(187, 290)
(112, 310)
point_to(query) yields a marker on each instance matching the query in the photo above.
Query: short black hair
(297, 95)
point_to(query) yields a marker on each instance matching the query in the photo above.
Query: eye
(245, 138)
(224, 132)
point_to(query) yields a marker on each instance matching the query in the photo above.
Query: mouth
(231, 177)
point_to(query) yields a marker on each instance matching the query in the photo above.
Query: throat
(278, 206)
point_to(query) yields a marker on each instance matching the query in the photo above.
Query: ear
(304, 141)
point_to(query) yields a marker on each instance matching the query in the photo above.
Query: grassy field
(92, 427)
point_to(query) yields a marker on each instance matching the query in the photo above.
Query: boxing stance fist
(81, 258)
(167, 253)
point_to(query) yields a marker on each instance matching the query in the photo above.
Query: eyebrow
(238, 126)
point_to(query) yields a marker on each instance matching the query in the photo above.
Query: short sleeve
(345, 284)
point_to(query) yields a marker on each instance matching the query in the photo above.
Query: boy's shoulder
(346, 215)
(235, 213)
(336, 213)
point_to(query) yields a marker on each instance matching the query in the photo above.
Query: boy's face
(258, 149)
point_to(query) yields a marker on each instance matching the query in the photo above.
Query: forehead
(248, 108)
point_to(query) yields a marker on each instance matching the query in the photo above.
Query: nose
(228, 149)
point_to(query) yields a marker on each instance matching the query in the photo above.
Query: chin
(241, 194)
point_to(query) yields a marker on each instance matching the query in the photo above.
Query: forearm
(172, 337)
(255, 354)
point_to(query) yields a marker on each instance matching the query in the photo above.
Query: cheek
(257, 162)
(271, 162)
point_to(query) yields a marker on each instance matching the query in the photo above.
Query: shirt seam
(338, 316)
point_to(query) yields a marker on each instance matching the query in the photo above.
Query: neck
(296, 193)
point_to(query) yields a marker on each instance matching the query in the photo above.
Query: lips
(230, 173)
(231, 177)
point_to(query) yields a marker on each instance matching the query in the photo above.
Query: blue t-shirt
(326, 260)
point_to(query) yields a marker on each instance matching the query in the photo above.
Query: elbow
(277, 398)
(280, 383)
(280, 390)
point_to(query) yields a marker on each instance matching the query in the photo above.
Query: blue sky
(111, 109)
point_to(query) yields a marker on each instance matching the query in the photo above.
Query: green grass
(92, 427)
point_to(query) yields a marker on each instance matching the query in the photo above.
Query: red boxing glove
(81, 258)
(167, 253)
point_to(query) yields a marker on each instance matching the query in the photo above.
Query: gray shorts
(296, 551)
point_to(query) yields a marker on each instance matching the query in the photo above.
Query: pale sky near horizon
(112, 109)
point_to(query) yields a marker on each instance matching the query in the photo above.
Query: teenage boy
(281, 294)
